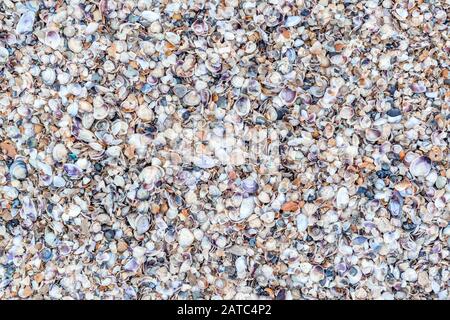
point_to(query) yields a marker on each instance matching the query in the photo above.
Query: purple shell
(249, 185)
(73, 171)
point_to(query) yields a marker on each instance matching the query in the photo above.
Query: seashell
(180, 90)
(48, 76)
(26, 22)
(384, 63)
(185, 238)
(52, 39)
(150, 175)
(394, 115)
(410, 275)
(28, 209)
(241, 267)
(100, 112)
(372, 135)
(131, 266)
(396, 204)
(346, 113)
(86, 136)
(145, 113)
(316, 274)
(119, 127)
(10, 193)
(4, 55)
(418, 88)
(249, 185)
(354, 275)
(247, 207)
(58, 182)
(173, 38)
(151, 16)
(73, 210)
(302, 222)
(200, 27)
(75, 44)
(192, 99)
(288, 96)
(18, 170)
(214, 64)
(292, 21)
(204, 162)
(91, 28)
(342, 198)
(242, 106)
(420, 166)
(73, 171)
(114, 151)
(142, 224)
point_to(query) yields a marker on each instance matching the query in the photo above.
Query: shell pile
(279, 149)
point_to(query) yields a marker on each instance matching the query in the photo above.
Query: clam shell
(200, 27)
(420, 166)
(249, 185)
(52, 39)
(288, 96)
(100, 112)
(18, 170)
(247, 207)
(342, 198)
(192, 99)
(242, 106)
(26, 22)
(292, 21)
(73, 171)
(185, 238)
(151, 174)
(372, 135)
(142, 224)
(395, 204)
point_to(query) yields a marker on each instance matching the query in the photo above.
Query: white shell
(48, 76)
(420, 166)
(342, 198)
(26, 22)
(75, 45)
(292, 21)
(247, 207)
(185, 237)
(59, 152)
(142, 224)
(302, 223)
